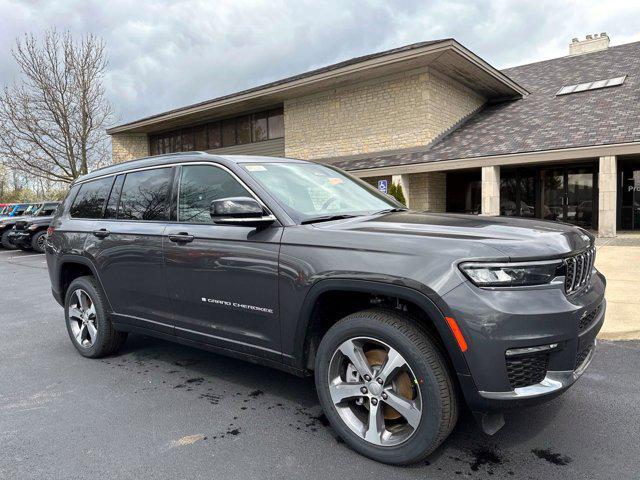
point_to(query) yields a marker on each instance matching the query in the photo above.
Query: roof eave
(436, 54)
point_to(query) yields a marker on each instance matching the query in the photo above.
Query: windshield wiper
(326, 218)
(390, 210)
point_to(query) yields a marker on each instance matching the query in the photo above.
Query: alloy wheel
(82, 318)
(374, 391)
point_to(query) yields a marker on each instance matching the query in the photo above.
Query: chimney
(592, 43)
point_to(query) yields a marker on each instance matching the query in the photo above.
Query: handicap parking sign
(382, 186)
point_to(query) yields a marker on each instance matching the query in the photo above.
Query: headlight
(511, 274)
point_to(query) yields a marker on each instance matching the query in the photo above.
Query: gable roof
(541, 120)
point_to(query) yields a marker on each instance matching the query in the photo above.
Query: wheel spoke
(376, 424)
(404, 407)
(84, 300)
(91, 311)
(80, 334)
(74, 312)
(391, 365)
(91, 329)
(356, 355)
(344, 390)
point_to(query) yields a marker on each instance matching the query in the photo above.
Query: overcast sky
(166, 54)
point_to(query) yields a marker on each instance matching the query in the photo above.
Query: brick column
(607, 197)
(425, 191)
(491, 191)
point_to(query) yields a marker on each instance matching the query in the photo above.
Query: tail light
(50, 231)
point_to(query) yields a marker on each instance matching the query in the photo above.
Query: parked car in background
(19, 211)
(30, 233)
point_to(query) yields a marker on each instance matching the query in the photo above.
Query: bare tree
(52, 121)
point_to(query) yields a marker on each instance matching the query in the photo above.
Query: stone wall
(128, 146)
(398, 111)
(425, 191)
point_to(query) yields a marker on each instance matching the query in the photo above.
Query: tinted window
(145, 195)
(91, 198)
(112, 203)
(199, 186)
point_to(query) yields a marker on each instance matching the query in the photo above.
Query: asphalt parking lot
(160, 410)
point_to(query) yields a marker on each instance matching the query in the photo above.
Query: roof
(541, 120)
(445, 55)
(182, 157)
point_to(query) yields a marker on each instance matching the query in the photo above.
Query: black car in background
(30, 233)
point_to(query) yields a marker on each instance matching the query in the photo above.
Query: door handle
(181, 237)
(102, 233)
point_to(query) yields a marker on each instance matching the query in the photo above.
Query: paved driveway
(160, 410)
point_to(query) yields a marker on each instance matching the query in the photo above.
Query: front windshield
(313, 191)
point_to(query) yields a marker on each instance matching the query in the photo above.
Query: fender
(379, 288)
(74, 258)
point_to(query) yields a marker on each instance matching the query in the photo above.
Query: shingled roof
(540, 121)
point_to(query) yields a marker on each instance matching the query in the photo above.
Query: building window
(258, 127)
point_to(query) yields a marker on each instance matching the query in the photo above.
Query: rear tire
(6, 243)
(88, 323)
(432, 408)
(38, 241)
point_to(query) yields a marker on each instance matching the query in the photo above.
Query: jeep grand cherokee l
(400, 315)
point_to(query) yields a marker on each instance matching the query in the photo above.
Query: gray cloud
(165, 54)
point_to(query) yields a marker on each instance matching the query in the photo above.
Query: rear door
(127, 247)
(223, 280)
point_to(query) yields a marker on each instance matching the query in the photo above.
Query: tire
(6, 243)
(432, 387)
(38, 241)
(104, 340)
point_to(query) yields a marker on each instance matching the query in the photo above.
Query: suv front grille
(578, 270)
(20, 225)
(526, 370)
(586, 320)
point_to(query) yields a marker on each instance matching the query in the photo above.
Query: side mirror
(239, 211)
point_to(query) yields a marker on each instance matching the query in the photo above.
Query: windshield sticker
(256, 168)
(335, 181)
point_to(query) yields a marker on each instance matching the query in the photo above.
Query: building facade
(557, 140)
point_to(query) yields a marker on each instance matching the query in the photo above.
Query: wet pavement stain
(551, 457)
(485, 456)
(256, 393)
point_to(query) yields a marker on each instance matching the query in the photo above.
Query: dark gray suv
(400, 315)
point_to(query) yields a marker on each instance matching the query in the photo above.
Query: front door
(630, 193)
(222, 279)
(567, 195)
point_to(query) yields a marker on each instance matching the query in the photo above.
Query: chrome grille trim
(578, 269)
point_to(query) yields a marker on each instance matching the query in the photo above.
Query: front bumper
(497, 321)
(20, 237)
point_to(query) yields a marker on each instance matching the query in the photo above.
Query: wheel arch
(307, 329)
(74, 266)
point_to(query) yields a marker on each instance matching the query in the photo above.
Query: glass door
(631, 198)
(579, 196)
(552, 195)
(567, 195)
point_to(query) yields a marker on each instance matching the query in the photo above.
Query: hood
(517, 238)
(39, 220)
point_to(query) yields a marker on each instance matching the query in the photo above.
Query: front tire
(385, 387)
(88, 324)
(6, 242)
(38, 241)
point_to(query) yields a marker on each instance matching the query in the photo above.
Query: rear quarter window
(89, 202)
(145, 195)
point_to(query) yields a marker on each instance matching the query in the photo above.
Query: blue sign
(382, 186)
